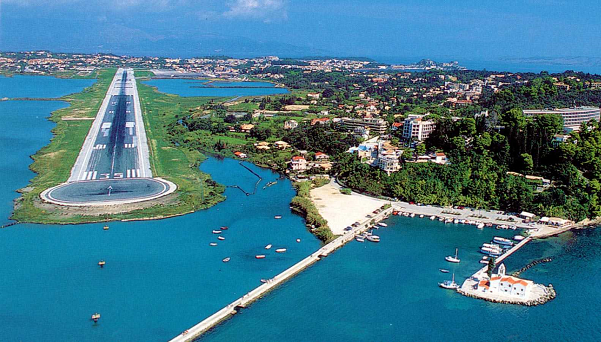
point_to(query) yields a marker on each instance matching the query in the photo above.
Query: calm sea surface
(185, 87)
(162, 276)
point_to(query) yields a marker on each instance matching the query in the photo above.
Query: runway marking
(118, 175)
(128, 173)
(138, 173)
(104, 176)
(94, 176)
(89, 176)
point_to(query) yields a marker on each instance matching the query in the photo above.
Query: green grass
(53, 163)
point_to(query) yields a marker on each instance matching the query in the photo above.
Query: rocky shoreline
(549, 294)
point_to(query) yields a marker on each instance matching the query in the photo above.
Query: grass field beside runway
(53, 163)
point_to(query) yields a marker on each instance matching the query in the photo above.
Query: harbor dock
(242, 302)
(538, 293)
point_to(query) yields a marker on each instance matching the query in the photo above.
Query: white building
(415, 127)
(298, 163)
(290, 124)
(388, 161)
(572, 117)
(506, 285)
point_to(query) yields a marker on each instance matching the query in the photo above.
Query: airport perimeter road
(116, 145)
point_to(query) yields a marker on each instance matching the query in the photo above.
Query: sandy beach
(342, 211)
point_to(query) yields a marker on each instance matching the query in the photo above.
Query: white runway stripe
(95, 174)
(85, 175)
(138, 173)
(89, 177)
(128, 173)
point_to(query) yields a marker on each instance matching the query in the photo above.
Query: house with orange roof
(506, 285)
(298, 163)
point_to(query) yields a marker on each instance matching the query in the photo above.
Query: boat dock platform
(248, 298)
(539, 294)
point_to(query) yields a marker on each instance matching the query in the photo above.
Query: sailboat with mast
(451, 258)
(450, 285)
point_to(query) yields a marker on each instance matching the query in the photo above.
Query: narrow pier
(244, 301)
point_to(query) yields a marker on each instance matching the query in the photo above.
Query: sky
(404, 30)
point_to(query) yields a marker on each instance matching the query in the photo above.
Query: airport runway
(113, 164)
(115, 147)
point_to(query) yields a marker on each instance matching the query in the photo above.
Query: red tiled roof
(298, 158)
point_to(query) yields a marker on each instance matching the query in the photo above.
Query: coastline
(342, 210)
(52, 165)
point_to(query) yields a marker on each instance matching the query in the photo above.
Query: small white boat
(443, 270)
(491, 245)
(480, 225)
(220, 238)
(217, 232)
(298, 240)
(450, 285)
(213, 244)
(519, 238)
(412, 215)
(359, 238)
(453, 259)
(373, 238)
(421, 216)
(280, 250)
(278, 217)
(502, 241)
(268, 246)
(382, 224)
(432, 217)
(226, 259)
(260, 256)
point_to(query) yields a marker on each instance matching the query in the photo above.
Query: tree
(526, 163)
(328, 92)
(491, 267)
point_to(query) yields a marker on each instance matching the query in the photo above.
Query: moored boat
(220, 238)
(213, 244)
(443, 270)
(382, 224)
(105, 227)
(260, 256)
(502, 241)
(373, 238)
(480, 225)
(280, 250)
(359, 238)
(268, 246)
(95, 317)
(519, 238)
(421, 216)
(449, 284)
(224, 228)
(277, 216)
(216, 231)
(433, 217)
(226, 259)
(453, 259)
(101, 263)
(298, 240)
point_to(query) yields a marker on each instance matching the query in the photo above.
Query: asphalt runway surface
(112, 190)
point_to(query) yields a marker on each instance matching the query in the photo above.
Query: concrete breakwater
(270, 284)
(530, 265)
(548, 294)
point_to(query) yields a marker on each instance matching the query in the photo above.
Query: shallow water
(160, 278)
(388, 292)
(184, 87)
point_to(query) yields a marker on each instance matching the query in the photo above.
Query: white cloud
(267, 10)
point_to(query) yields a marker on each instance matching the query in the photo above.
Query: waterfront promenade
(272, 283)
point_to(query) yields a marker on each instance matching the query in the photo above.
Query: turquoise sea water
(185, 87)
(19, 86)
(388, 292)
(162, 276)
